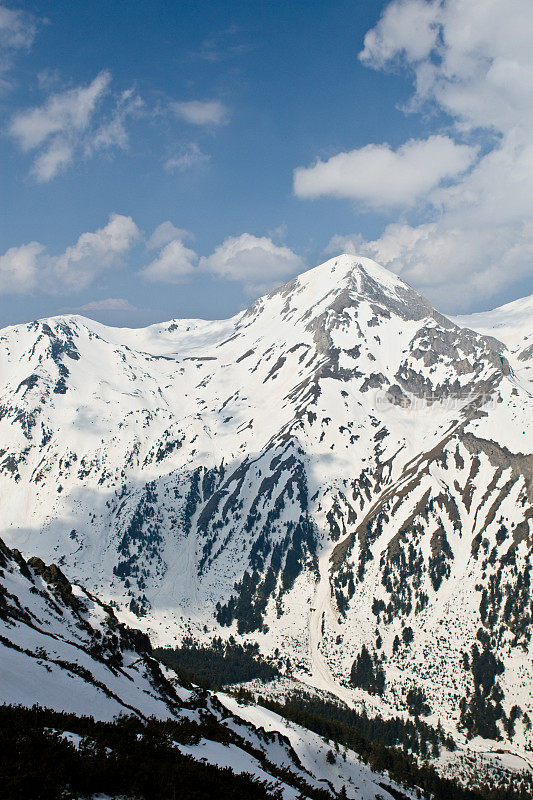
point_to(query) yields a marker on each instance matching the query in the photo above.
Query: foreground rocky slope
(339, 473)
(64, 650)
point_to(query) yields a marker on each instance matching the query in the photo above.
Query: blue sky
(177, 159)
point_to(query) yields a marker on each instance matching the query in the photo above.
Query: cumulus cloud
(474, 59)
(29, 266)
(19, 268)
(174, 263)
(202, 112)
(66, 125)
(166, 232)
(474, 62)
(255, 260)
(407, 29)
(380, 177)
(94, 252)
(188, 157)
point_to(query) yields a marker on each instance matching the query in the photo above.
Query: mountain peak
(352, 268)
(342, 282)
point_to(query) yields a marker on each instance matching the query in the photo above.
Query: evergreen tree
(367, 673)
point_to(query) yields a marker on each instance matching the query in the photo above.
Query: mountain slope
(339, 472)
(512, 325)
(64, 650)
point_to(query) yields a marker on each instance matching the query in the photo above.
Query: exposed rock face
(338, 466)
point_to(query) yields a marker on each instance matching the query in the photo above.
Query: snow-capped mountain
(339, 473)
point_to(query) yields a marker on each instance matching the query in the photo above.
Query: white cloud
(17, 29)
(19, 268)
(66, 125)
(94, 252)
(279, 234)
(64, 111)
(174, 263)
(53, 160)
(25, 268)
(113, 132)
(449, 262)
(474, 61)
(407, 29)
(350, 243)
(254, 260)
(17, 32)
(48, 79)
(188, 157)
(109, 304)
(166, 232)
(380, 177)
(198, 112)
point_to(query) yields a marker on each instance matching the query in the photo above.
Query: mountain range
(339, 473)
